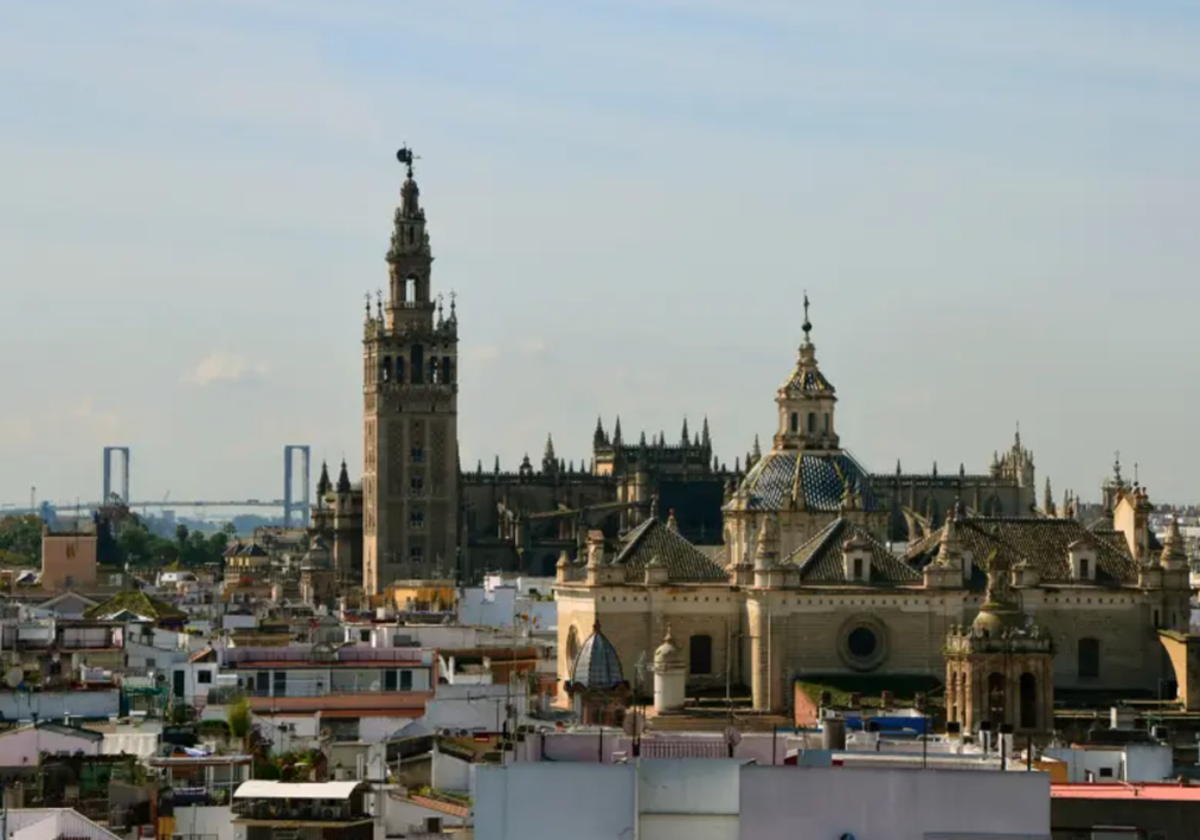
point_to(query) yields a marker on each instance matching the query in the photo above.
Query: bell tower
(410, 412)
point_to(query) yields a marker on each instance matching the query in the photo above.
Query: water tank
(833, 734)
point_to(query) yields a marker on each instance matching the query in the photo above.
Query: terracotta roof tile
(820, 559)
(1042, 543)
(684, 562)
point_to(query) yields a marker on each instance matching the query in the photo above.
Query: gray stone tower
(410, 413)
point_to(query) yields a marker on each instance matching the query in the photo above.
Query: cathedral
(809, 583)
(796, 561)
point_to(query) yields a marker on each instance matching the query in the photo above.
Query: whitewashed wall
(779, 803)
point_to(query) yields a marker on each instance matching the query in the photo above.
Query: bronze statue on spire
(406, 156)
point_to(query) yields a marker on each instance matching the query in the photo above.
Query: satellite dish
(732, 736)
(13, 677)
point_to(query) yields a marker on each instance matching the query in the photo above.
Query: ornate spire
(950, 545)
(807, 325)
(705, 437)
(598, 438)
(756, 452)
(616, 438)
(1174, 553)
(684, 437)
(549, 460)
(324, 485)
(343, 482)
(496, 466)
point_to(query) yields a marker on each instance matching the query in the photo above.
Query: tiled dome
(597, 666)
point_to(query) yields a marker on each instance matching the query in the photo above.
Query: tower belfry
(410, 413)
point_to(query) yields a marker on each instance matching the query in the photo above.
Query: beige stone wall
(68, 560)
(1121, 620)
(808, 630)
(635, 619)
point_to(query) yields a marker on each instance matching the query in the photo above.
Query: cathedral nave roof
(685, 563)
(820, 559)
(1043, 543)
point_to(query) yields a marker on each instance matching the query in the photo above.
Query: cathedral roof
(685, 563)
(597, 666)
(1042, 543)
(820, 559)
(818, 481)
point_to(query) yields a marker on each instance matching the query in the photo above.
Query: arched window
(795, 422)
(399, 368)
(433, 369)
(385, 369)
(812, 422)
(447, 373)
(418, 365)
(826, 422)
(995, 698)
(700, 655)
(1089, 658)
(572, 647)
(410, 288)
(1029, 701)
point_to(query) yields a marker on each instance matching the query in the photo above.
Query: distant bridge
(295, 505)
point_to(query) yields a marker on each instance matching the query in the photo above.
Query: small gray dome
(597, 666)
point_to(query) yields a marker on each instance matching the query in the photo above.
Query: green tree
(238, 717)
(21, 538)
(136, 543)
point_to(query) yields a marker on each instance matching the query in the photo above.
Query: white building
(724, 799)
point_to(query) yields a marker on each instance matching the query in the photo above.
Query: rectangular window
(280, 684)
(204, 677)
(858, 568)
(416, 554)
(417, 485)
(262, 684)
(416, 519)
(417, 455)
(364, 635)
(389, 680)
(1083, 568)
(1106, 772)
(406, 680)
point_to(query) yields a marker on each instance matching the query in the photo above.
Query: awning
(263, 789)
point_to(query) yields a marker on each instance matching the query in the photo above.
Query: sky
(992, 207)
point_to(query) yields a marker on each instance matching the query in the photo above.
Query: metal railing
(267, 810)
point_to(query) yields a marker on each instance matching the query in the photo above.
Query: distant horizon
(991, 207)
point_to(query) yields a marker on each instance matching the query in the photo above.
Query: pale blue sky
(992, 205)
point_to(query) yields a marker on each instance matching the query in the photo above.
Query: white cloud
(226, 367)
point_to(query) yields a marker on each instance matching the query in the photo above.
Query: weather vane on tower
(406, 156)
(807, 326)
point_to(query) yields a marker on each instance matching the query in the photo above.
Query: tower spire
(807, 325)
